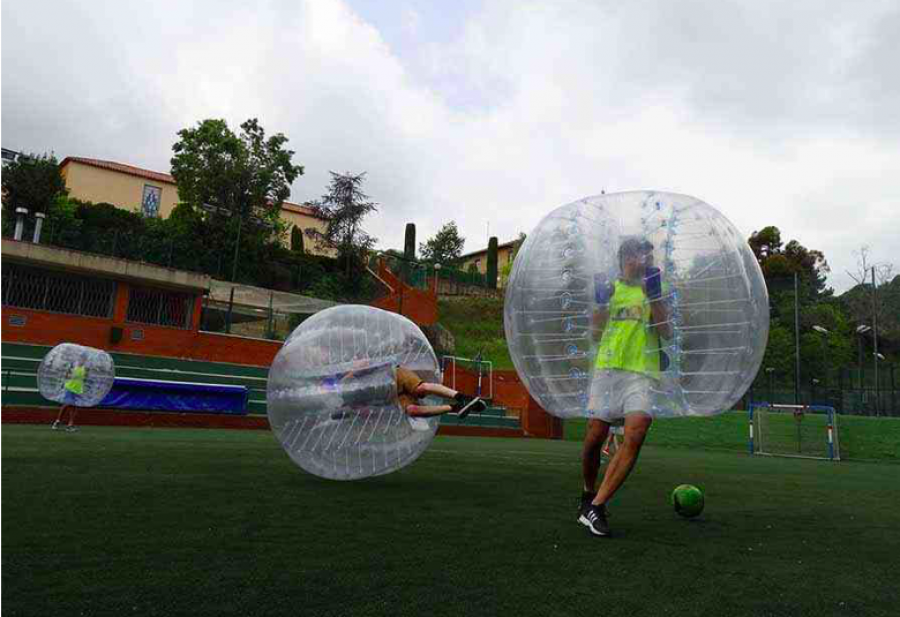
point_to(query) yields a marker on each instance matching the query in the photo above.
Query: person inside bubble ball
(630, 318)
(410, 390)
(74, 388)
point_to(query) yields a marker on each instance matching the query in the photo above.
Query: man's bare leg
(59, 416)
(427, 411)
(435, 388)
(594, 438)
(636, 427)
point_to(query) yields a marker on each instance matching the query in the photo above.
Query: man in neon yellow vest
(73, 388)
(630, 318)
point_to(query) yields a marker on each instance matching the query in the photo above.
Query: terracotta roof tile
(300, 208)
(161, 177)
(121, 168)
(484, 251)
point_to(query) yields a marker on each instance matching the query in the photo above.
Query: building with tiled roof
(479, 259)
(155, 193)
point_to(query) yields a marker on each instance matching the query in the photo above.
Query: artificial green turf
(115, 521)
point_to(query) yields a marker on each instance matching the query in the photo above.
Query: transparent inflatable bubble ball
(642, 299)
(332, 394)
(76, 375)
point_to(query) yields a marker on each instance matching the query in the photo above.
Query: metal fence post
(203, 310)
(894, 410)
(269, 325)
(228, 316)
(840, 391)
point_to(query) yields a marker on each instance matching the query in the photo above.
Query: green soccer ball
(687, 500)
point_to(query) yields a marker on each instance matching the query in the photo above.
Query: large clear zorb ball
(75, 375)
(637, 301)
(332, 394)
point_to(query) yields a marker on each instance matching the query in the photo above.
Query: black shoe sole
(465, 411)
(597, 534)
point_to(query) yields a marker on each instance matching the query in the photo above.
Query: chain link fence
(851, 391)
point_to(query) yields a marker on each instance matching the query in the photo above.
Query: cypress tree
(492, 263)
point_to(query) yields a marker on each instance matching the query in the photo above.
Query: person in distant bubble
(630, 316)
(73, 388)
(614, 441)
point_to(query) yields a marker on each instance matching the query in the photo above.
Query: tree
(237, 174)
(244, 178)
(865, 265)
(409, 244)
(409, 251)
(296, 240)
(861, 303)
(32, 182)
(445, 247)
(814, 303)
(344, 207)
(492, 263)
(782, 262)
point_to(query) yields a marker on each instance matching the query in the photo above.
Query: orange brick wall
(44, 328)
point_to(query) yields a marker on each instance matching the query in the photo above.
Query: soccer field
(115, 521)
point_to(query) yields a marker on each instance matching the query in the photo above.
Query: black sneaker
(476, 404)
(586, 499)
(594, 518)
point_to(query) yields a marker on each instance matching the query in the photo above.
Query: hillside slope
(477, 326)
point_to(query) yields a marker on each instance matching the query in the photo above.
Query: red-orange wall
(45, 328)
(509, 392)
(419, 305)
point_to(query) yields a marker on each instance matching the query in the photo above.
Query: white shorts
(614, 394)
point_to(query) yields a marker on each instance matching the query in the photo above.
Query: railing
(417, 273)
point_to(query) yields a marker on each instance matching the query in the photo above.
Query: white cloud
(777, 114)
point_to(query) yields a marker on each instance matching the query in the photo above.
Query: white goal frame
(758, 444)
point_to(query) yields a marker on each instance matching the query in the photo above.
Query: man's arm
(599, 321)
(603, 293)
(659, 312)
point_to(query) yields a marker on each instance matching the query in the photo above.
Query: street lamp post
(818, 329)
(796, 342)
(20, 222)
(860, 330)
(875, 334)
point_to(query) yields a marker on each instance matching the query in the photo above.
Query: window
(160, 307)
(58, 292)
(150, 200)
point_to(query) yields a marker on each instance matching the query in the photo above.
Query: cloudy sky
(493, 113)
